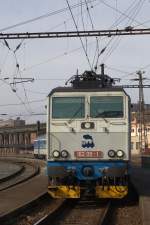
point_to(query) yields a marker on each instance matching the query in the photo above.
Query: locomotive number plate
(88, 154)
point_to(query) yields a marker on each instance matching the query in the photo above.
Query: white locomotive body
(88, 133)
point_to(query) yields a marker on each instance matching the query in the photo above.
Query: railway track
(78, 212)
(47, 211)
(33, 211)
(96, 212)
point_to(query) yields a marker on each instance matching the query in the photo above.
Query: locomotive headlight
(111, 153)
(120, 153)
(64, 154)
(87, 125)
(56, 154)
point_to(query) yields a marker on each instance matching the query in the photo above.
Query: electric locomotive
(40, 147)
(88, 137)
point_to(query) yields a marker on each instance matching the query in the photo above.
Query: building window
(143, 130)
(137, 145)
(132, 145)
(132, 130)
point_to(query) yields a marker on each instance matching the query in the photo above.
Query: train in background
(40, 147)
(88, 138)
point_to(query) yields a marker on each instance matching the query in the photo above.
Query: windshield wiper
(112, 114)
(74, 115)
(100, 115)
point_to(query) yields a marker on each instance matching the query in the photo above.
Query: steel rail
(45, 220)
(105, 215)
(55, 216)
(21, 210)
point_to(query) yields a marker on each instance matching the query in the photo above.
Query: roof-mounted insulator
(89, 79)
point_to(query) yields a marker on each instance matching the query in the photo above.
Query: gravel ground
(126, 215)
(126, 211)
(123, 213)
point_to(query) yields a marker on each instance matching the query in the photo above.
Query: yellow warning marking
(64, 191)
(101, 191)
(111, 191)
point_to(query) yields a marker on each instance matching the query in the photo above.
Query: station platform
(140, 178)
(22, 194)
(8, 169)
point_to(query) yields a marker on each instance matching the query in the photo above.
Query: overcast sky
(52, 61)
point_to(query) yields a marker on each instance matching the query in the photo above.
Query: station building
(135, 130)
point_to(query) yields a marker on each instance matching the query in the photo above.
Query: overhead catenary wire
(101, 2)
(26, 115)
(65, 53)
(83, 25)
(101, 50)
(19, 72)
(97, 43)
(126, 73)
(116, 23)
(4, 59)
(122, 14)
(22, 103)
(13, 85)
(73, 6)
(79, 36)
(43, 16)
(116, 42)
(48, 14)
(135, 8)
(142, 23)
(73, 50)
(60, 24)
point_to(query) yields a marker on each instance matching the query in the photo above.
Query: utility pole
(38, 130)
(141, 113)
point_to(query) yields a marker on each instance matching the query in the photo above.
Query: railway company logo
(87, 141)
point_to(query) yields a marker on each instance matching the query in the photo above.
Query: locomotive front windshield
(68, 107)
(106, 106)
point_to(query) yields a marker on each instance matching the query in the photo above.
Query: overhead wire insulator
(102, 51)
(7, 45)
(17, 65)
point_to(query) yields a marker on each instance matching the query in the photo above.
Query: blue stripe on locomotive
(78, 167)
